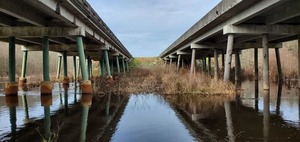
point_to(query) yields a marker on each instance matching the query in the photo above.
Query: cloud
(148, 27)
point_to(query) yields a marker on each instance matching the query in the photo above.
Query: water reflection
(266, 115)
(229, 124)
(12, 103)
(25, 105)
(46, 102)
(86, 101)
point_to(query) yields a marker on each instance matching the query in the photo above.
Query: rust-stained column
(266, 85)
(216, 64)
(178, 63)
(228, 57)
(256, 63)
(193, 62)
(278, 64)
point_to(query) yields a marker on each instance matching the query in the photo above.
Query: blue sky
(147, 27)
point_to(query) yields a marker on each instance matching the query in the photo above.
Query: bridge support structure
(101, 62)
(86, 85)
(228, 57)
(118, 65)
(109, 76)
(265, 45)
(46, 84)
(123, 65)
(74, 68)
(216, 65)
(23, 80)
(66, 79)
(11, 87)
(58, 66)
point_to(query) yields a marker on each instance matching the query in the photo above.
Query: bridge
(68, 27)
(235, 25)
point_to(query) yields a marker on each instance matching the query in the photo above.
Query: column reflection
(86, 101)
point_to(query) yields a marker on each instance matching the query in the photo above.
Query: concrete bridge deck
(69, 27)
(235, 25)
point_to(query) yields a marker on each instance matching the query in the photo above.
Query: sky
(147, 27)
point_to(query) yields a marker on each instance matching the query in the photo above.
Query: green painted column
(65, 63)
(102, 67)
(107, 62)
(58, 67)
(12, 60)
(118, 64)
(82, 58)
(108, 104)
(74, 68)
(24, 64)
(89, 66)
(112, 66)
(127, 65)
(123, 64)
(46, 58)
(78, 69)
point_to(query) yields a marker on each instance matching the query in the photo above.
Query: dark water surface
(253, 115)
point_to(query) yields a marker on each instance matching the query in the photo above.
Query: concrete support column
(193, 60)
(11, 87)
(266, 85)
(256, 63)
(299, 61)
(278, 64)
(216, 65)
(89, 66)
(204, 64)
(23, 80)
(209, 66)
(58, 67)
(223, 59)
(171, 62)
(102, 66)
(118, 65)
(178, 63)
(237, 67)
(78, 69)
(74, 68)
(123, 65)
(46, 85)
(86, 85)
(228, 58)
(127, 65)
(112, 66)
(66, 79)
(109, 77)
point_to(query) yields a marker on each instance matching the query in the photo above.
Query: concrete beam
(41, 31)
(183, 53)
(256, 45)
(23, 12)
(207, 46)
(262, 29)
(61, 47)
(288, 11)
(172, 57)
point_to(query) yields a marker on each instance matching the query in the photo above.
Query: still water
(252, 115)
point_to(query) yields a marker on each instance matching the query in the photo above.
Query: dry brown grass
(165, 81)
